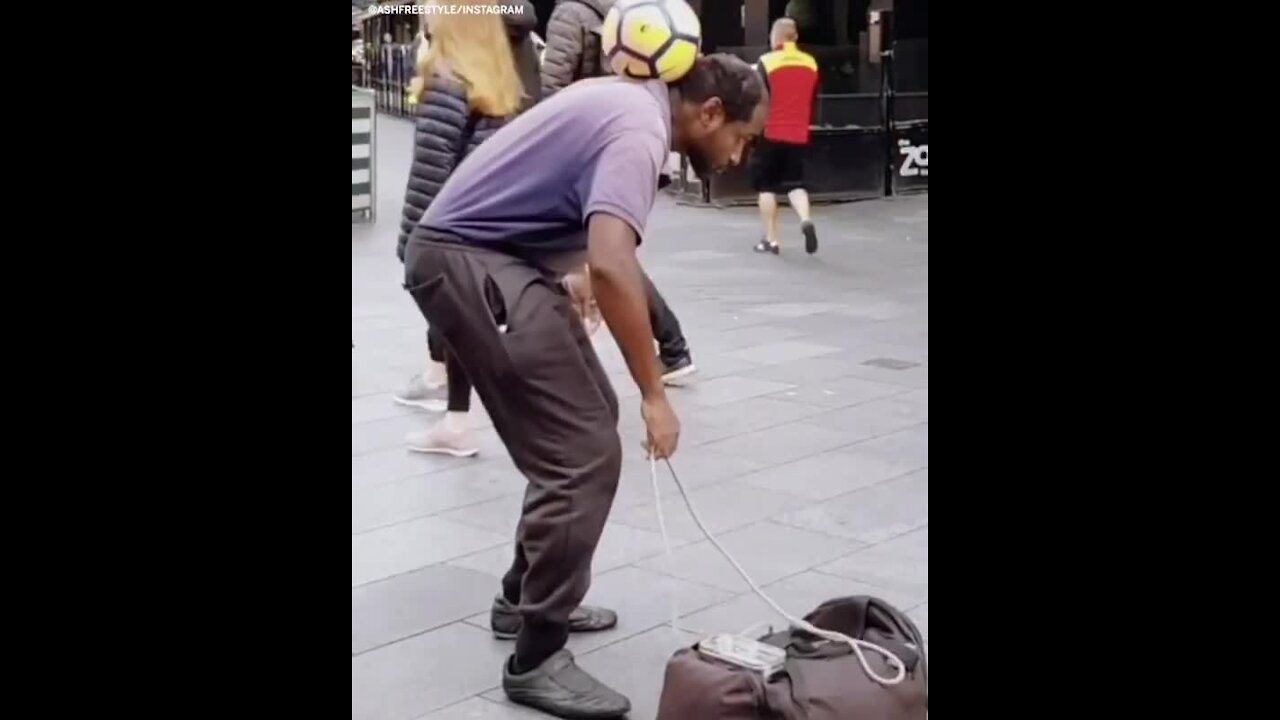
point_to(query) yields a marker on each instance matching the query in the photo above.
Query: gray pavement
(805, 448)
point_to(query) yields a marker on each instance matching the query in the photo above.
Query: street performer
(571, 180)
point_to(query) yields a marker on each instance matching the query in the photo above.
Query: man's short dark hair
(737, 84)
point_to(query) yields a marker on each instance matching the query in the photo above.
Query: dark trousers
(459, 390)
(551, 404)
(666, 327)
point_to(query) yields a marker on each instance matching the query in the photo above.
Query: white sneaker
(677, 373)
(443, 441)
(418, 394)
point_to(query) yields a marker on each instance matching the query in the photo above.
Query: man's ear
(711, 111)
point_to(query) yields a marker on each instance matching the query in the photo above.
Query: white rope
(666, 544)
(859, 646)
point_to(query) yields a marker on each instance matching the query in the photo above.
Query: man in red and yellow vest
(777, 163)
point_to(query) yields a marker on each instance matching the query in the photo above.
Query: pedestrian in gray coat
(573, 43)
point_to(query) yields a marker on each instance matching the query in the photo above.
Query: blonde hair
(472, 47)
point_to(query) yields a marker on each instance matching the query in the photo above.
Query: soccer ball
(646, 39)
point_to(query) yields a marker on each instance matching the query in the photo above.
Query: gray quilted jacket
(442, 121)
(573, 43)
(441, 139)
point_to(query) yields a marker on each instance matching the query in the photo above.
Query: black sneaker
(676, 373)
(559, 687)
(505, 620)
(764, 246)
(810, 237)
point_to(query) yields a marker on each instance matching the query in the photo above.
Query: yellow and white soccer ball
(647, 39)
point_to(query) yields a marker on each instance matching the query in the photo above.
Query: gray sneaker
(418, 394)
(559, 687)
(505, 621)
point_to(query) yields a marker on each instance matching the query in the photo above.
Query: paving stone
(793, 310)
(916, 377)
(908, 444)
(831, 474)
(702, 425)
(377, 407)
(871, 515)
(619, 545)
(424, 673)
(841, 392)
(422, 495)
(874, 418)
(499, 515)
(376, 435)
(725, 390)
(783, 351)
(766, 550)
(481, 708)
(411, 545)
(901, 564)
(722, 507)
(785, 443)
(409, 604)
(697, 466)
(809, 370)
(753, 335)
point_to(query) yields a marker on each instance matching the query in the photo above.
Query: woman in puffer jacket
(467, 86)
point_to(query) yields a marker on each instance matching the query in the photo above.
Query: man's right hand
(578, 285)
(662, 427)
(618, 285)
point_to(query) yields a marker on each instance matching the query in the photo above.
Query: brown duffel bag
(821, 680)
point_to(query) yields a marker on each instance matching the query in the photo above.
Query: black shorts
(777, 167)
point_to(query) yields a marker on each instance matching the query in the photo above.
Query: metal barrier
(391, 72)
(841, 164)
(846, 159)
(363, 129)
(862, 146)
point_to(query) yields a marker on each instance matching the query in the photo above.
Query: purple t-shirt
(596, 146)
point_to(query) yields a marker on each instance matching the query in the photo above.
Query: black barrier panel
(911, 65)
(835, 111)
(840, 164)
(911, 165)
(846, 163)
(910, 106)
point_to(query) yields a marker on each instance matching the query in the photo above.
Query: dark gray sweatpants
(552, 405)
